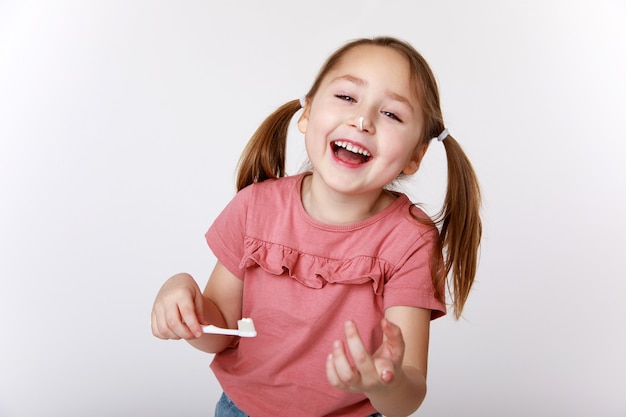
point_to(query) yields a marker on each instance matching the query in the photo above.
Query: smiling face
(363, 125)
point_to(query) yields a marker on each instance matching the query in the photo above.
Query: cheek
(402, 151)
(400, 141)
(315, 130)
(313, 144)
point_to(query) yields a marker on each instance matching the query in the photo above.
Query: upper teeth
(352, 148)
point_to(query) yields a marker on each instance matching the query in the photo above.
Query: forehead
(375, 64)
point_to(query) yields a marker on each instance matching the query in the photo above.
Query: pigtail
(264, 155)
(461, 226)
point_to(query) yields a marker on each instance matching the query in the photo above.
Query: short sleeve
(411, 283)
(226, 235)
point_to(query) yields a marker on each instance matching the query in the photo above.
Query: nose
(363, 123)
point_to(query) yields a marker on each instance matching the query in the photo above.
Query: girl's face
(363, 125)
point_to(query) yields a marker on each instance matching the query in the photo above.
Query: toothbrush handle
(218, 330)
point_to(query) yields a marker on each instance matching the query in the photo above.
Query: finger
(385, 370)
(169, 321)
(193, 318)
(388, 359)
(154, 326)
(360, 355)
(345, 372)
(393, 340)
(331, 373)
(160, 327)
(184, 320)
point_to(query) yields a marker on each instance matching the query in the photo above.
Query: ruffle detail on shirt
(314, 271)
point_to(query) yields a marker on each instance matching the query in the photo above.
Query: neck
(332, 207)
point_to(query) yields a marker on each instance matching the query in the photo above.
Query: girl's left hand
(369, 373)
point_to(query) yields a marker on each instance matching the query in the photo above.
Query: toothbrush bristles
(246, 327)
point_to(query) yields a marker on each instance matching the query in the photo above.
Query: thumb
(385, 369)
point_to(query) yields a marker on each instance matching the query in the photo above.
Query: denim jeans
(226, 408)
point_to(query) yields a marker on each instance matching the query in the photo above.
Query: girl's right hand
(177, 309)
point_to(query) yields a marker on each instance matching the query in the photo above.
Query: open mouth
(350, 153)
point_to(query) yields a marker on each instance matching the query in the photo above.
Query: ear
(303, 121)
(414, 164)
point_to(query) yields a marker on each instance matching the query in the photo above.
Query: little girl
(340, 274)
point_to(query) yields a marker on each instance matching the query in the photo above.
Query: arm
(180, 309)
(223, 296)
(394, 377)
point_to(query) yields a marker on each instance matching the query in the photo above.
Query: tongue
(350, 157)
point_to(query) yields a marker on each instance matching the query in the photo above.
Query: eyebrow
(360, 82)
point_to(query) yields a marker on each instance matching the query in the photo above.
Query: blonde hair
(459, 219)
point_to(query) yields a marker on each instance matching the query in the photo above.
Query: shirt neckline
(297, 195)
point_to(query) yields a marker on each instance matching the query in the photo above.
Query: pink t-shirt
(302, 280)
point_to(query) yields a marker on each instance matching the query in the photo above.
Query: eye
(345, 97)
(391, 116)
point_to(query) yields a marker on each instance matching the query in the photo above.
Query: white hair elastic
(302, 101)
(443, 135)
(361, 122)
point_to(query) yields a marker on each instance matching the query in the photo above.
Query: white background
(120, 127)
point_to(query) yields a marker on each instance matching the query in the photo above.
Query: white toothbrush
(245, 328)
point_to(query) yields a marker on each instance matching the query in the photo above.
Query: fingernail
(386, 376)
